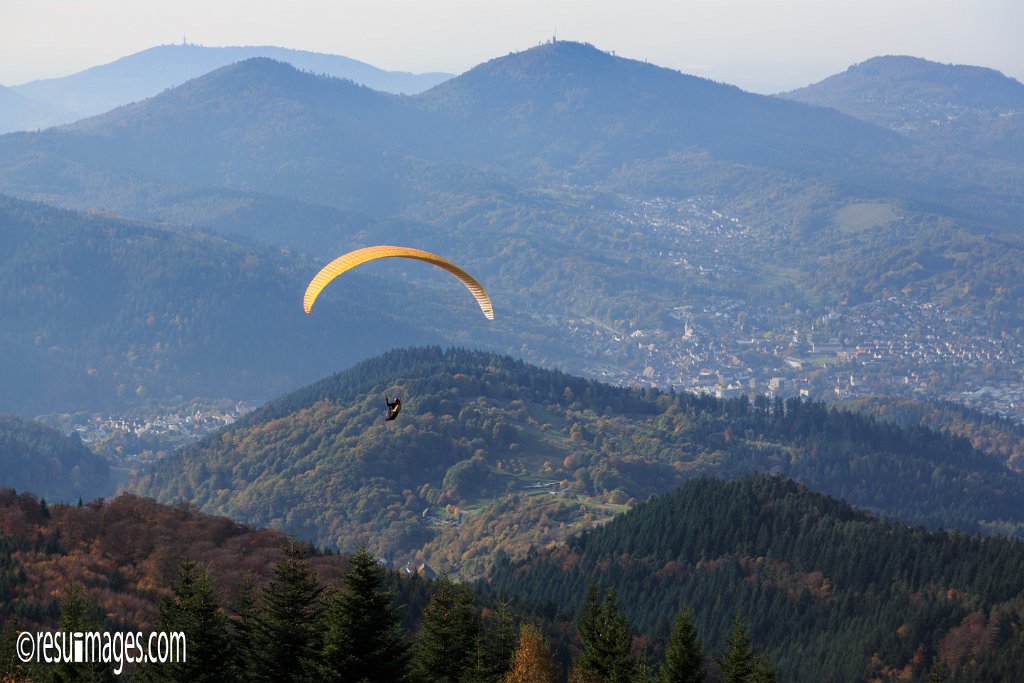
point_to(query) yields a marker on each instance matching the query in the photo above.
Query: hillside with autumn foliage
(491, 455)
(124, 553)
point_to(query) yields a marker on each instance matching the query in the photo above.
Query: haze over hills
(18, 112)
(45, 461)
(578, 113)
(492, 453)
(979, 110)
(605, 197)
(100, 311)
(55, 101)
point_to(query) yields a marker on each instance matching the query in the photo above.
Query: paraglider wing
(354, 258)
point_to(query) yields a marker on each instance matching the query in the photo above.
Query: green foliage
(445, 646)
(605, 641)
(785, 556)
(738, 662)
(362, 640)
(77, 613)
(684, 654)
(288, 628)
(194, 609)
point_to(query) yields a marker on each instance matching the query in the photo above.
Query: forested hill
(490, 454)
(859, 598)
(54, 466)
(980, 110)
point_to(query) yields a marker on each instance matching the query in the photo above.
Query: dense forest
(823, 587)
(755, 580)
(1000, 437)
(490, 452)
(45, 461)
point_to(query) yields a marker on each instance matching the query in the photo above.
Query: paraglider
(393, 407)
(352, 259)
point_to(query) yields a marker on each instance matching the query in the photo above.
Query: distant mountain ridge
(555, 97)
(900, 77)
(978, 109)
(147, 73)
(541, 172)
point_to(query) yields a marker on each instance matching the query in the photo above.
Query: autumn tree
(532, 661)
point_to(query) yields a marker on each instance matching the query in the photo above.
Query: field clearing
(864, 216)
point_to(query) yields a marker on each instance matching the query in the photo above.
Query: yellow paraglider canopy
(354, 258)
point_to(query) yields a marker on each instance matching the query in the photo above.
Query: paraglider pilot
(393, 406)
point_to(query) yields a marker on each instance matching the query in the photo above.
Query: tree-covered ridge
(493, 455)
(826, 589)
(967, 108)
(1000, 438)
(43, 460)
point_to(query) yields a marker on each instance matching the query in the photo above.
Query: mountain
(18, 112)
(830, 592)
(43, 460)
(597, 198)
(489, 448)
(147, 73)
(978, 109)
(574, 111)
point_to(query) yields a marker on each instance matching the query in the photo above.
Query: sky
(765, 46)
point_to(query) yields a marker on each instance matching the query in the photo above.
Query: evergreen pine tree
(444, 649)
(286, 634)
(12, 669)
(77, 613)
(195, 610)
(245, 628)
(684, 655)
(606, 642)
(737, 662)
(532, 661)
(363, 640)
(496, 645)
(764, 670)
(939, 672)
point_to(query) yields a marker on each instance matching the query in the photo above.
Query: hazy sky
(759, 45)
